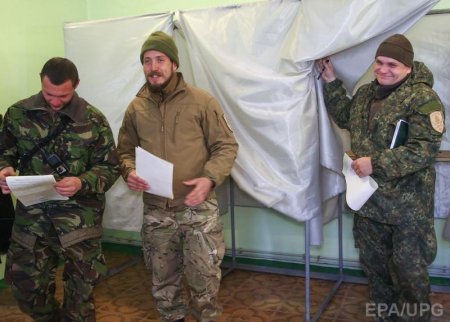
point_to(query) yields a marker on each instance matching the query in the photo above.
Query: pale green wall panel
(443, 4)
(30, 33)
(101, 9)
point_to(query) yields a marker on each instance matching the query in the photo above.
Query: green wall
(32, 31)
(120, 8)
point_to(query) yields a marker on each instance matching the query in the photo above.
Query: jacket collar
(75, 110)
(383, 91)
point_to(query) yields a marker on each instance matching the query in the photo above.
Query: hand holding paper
(359, 189)
(156, 171)
(31, 190)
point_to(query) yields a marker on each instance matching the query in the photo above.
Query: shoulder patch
(437, 121)
(430, 107)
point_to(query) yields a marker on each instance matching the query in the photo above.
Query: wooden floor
(246, 296)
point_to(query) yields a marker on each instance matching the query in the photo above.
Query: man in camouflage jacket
(71, 228)
(182, 237)
(394, 230)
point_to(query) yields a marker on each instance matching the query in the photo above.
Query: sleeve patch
(437, 121)
(430, 107)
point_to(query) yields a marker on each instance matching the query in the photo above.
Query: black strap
(23, 160)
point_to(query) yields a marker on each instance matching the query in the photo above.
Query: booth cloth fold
(257, 59)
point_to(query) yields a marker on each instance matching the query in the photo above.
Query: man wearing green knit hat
(182, 236)
(162, 42)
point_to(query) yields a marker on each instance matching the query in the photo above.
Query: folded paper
(31, 190)
(359, 189)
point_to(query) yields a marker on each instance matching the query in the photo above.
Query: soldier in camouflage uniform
(70, 229)
(394, 230)
(182, 237)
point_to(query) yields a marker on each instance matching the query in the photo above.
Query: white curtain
(107, 53)
(258, 60)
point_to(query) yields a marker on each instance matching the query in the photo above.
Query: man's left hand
(362, 166)
(202, 187)
(68, 186)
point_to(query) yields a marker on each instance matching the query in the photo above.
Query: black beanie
(162, 42)
(397, 47)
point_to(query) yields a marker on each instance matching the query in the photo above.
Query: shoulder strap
(23, 160)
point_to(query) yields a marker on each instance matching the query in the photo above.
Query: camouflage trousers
(395, 259)
(184, 250)
(32, 273)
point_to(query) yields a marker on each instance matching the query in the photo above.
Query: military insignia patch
(437, 121)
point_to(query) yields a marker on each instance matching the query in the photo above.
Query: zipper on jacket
(162, 110)
(177, 117)
(177, 120)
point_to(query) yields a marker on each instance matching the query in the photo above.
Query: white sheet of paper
(31, 190)
(156, 171)
(359, 189)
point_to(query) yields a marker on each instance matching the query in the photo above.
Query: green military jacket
(184, 125)
(86, 146)
(406, 174)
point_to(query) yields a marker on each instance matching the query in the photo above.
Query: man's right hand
(326, 69)
(136, 183)
(6, 172)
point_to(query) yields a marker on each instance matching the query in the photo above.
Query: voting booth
(258, 60)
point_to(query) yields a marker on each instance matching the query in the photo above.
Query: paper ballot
(359, 189)
(156, 171)
(31, 190)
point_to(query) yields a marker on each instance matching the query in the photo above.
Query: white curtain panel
(107, 54)
(257, 59)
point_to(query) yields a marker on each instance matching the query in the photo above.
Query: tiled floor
(246, 296)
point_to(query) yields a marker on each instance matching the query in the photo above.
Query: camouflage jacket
(405, 175)
(86, 146)
(187, 128)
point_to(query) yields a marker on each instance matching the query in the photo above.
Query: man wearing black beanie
(182, 236)
(394, 230)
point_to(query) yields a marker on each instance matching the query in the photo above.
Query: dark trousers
(32, 276)
(395, 259)
(6, 221)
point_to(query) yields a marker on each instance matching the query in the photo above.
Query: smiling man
(394, 230)
(182, 237)
(57, 132)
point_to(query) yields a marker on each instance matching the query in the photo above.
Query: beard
(157, 87)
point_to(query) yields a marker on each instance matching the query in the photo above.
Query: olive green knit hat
(397, 47)
(162, 42)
